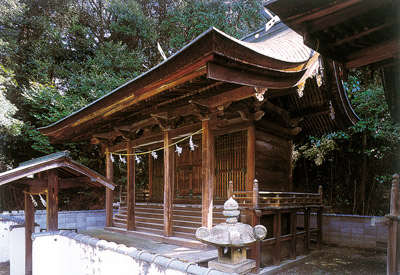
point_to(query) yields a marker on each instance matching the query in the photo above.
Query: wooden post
(130, 188)
(29, 229)
(321, 198)
(169, 173)
(230, 189)
(319, 227)
(276, 258)
(293, 231)
(251, 157)
(319, 218)
(255, 193)
(290, 166)
(394, 197)
(52, 200)
(109, 192)
(207, 173)
(256, 247)
(307, 228)
(393, 238)
(151, 175)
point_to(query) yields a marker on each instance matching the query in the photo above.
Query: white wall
(17, 250)
(5, 240)
(79, 254)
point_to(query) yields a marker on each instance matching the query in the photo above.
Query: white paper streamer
(43, 201)
(191, 144)
(33, 200)
(178, 150)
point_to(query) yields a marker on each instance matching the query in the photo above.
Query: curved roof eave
(211, 42)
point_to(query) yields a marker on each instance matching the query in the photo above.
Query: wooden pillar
(130, 188)
(29, 229)
(307, 228)
(207, 175)
(293, 231)
(52, 200)
(251, 157)
(319, 227)
(290, 168)
(276, 258)
(169, 173)
(109, 192)
(151, 175)
(393, 249)
(256, 247)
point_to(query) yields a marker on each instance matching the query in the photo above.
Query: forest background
(56, 56)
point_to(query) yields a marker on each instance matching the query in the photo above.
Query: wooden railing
(261, 199)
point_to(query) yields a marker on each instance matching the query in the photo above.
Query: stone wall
(72, 220)
(367, 232)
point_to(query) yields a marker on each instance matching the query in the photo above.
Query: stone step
(149, 230)
(150, 225)
(119, 225)
(185, 229)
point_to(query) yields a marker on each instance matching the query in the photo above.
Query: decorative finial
(231, 210)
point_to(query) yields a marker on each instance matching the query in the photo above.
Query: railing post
(394, 207)
(230, 189)
(307, 229)
(321, 202)
(255, 194)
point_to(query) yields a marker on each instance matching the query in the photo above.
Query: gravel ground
(343, 261)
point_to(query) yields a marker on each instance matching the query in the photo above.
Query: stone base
(241, 268)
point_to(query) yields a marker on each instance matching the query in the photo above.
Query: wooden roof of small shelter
(213, 71)
(71, 173)
(354, 33)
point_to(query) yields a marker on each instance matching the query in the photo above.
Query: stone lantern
(231, 238)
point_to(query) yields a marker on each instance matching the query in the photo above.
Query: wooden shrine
(238, 104)
(46, 176)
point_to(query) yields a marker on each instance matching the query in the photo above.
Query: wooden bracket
(201, 110)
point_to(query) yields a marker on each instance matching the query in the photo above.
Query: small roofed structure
(47, 175)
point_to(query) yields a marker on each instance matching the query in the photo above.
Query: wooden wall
(188, 172)
(158, 175)
(230, 162)
(273, 162)
(272, 166)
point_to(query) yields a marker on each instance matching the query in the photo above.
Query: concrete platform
(195, 255)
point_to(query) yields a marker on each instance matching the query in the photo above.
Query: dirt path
(343, 261)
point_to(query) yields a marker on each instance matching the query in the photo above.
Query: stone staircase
(149, 217)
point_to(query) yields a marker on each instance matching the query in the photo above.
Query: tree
(57, 56)
(355, 167)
